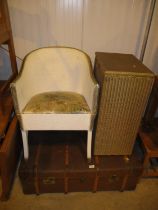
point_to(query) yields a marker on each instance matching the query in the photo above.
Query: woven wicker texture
(122, 104)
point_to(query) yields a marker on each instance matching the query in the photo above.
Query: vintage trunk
(58, 163)
(119, 172)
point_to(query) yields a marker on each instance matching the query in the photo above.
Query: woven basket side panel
(123, 101)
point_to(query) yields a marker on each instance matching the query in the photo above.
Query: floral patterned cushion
(57, 102)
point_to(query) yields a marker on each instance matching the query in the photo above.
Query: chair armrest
(15, 96)
(20, 93)
(91, 92)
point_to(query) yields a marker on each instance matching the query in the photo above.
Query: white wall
(90, 25)
(151, 53)
(5, 66)
(114, 25)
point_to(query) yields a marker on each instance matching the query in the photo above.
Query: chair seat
(57, 102)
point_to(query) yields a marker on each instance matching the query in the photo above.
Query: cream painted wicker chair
(55, 90)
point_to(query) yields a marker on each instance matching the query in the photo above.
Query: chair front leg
(89, 145)
(25, 143)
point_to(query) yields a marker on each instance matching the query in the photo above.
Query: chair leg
(89, 144)
(25, 143)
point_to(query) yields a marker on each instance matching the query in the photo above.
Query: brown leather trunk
(57, 163)
(119, 172)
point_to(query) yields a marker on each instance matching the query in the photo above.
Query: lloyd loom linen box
(125, 86)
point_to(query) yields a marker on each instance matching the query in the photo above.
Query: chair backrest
(57, 69)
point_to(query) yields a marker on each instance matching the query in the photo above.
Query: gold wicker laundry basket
(125, 86)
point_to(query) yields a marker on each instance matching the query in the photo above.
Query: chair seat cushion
(57, 102)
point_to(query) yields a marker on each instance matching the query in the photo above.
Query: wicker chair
(55, 90)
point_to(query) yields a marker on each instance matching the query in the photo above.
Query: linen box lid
(118, 63)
